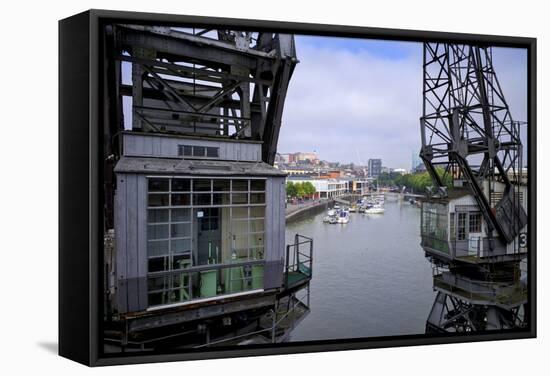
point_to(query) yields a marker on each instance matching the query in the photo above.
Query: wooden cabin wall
(144, 145)
(275, 232)
(131, 242)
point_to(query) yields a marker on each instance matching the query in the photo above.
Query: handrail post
(287, 263)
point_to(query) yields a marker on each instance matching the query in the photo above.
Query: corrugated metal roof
(142, 165)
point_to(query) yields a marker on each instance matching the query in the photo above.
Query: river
(370, 277)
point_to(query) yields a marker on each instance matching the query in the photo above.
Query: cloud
(352, 104)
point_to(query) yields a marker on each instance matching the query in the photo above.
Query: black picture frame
(80, 182)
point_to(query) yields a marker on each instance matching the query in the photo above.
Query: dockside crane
(472, 229)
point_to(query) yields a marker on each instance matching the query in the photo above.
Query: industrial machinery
(191, 122)
(473, 223)
(201, 82)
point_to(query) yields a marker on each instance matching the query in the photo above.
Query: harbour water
(370, 277)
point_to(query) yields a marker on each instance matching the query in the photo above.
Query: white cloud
(343, 103)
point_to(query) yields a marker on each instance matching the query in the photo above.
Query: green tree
(300, 192)
(309, 188)
(290, 189)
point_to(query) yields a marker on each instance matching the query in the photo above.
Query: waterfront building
(331, 174)
(326, 188)
(306, 156)
(415, 160)
(359, 186)
(301, 170)
(374, 168)
(401, 171)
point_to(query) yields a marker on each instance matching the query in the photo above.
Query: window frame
(255, 251)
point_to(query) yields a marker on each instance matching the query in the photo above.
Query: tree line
(300, 190)
(416, 182)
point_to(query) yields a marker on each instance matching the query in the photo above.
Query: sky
(350, 100)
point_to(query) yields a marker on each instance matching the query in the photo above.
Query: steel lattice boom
(468, 130)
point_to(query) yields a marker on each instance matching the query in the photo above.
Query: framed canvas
(235, 187)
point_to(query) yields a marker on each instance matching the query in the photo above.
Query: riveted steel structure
(469, 138)
(199, 82)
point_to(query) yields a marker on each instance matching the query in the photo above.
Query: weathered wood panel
(164, 146)
(131, 242)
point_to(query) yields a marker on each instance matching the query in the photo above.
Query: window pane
(239, 198)
(222, 185)
(182, 261)
(257, 198)
(180, 230)
(240, 212)
(157, 248)
(202, 199)
(181, 215)
(199, 151)
(181, 199)
(257, 185)
(475, 222)
(257, 225)
(157, 215)
(179, 185)
(180, 246)
(201, 185)
(212, 152)
(158, 283)
(256, 240)
(158, 185)
(187, 150)
(157, 232)
(157, 264)
(240, 185)
(158, 200)
(257, 253)
(239, 226)
(240, 246)
(257, 212)
(221, 199)
(461, 226)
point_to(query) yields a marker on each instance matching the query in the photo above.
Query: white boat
(343, 216)
(376, 209)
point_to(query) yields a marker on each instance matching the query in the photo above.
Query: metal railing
(277, 316)
(204, 281)
(491, 291)
(299, 257)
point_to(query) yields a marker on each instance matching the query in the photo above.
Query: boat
(343, 217)
(375, 209)
(353, 209)
(332, 215)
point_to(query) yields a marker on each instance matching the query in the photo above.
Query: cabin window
(461, 226)
(192, 223)
(475, 222)
(452, 226)
(198, 151)
(434, 221)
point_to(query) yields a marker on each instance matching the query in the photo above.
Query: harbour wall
(309, 210)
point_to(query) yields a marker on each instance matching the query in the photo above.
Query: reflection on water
(370, 277)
